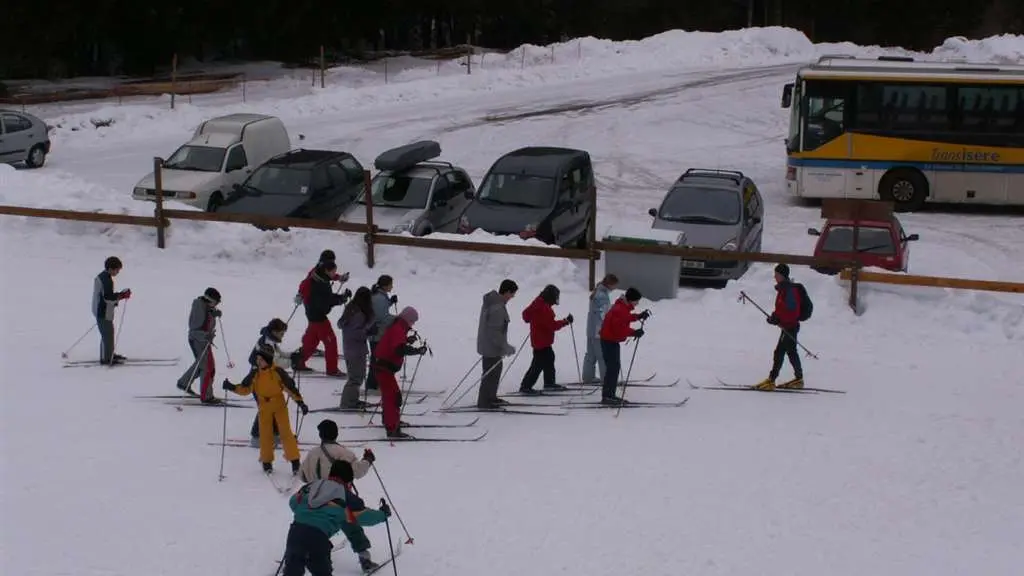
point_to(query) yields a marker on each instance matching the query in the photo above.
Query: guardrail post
(854, 277)
(158, 183)
(370, 228)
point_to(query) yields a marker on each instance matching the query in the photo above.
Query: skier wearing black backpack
(792, 306)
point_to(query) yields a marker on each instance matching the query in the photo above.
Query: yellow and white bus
(906, 131)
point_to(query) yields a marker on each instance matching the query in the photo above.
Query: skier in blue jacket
(600, 302)
(322, 508)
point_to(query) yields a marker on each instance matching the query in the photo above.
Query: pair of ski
(284, 488)
(726, 386)
(539, 409)
(397, 551)
(190, 398)
(424, 393)
(125, 362)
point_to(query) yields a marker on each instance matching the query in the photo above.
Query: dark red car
(880, 243)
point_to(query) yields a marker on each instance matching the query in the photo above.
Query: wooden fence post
(370, 230)
(174, 78)
(591, 238)
(323, 66)
(158, 183)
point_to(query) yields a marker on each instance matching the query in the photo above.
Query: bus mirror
(787, 95)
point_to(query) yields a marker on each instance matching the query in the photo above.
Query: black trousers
(307, 549)
(612, 352)
(786, 348)
(543, 362)
(489, 383)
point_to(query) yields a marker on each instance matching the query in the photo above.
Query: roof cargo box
(404, 157)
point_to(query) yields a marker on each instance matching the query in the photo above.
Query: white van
(222, 153)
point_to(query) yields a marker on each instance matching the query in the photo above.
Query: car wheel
(906, 188)
(216, 200)
(36, 156)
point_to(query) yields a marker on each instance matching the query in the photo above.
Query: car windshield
(871, 240)
(517, 190)
(400, 191)
(197, 158)
(701, 206)
(269, 179)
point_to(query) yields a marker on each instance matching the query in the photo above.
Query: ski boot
(768, 384)
(612, 401)
(398, 434)
(555, 388)
(366, 563)
(794, 384)
(211, 400)
(268, 468)
(295, 467)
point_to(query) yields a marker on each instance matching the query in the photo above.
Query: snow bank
(352, 88)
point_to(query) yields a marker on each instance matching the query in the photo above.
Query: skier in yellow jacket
(270, 383)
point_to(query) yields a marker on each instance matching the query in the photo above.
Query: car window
(14, 123)
(520, 190)
(339, 177)
(236, 159)
(443, 189)
(870, 240)
(197, 159)
(458, 181)
(270, 179)
(320, 181)
(400, 191)
(699, 205)
(353, 170)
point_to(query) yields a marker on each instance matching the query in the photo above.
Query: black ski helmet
(112, 263)
(212, 295)
(550, 294)
(342, 470)
(327, 256)
(633, 295)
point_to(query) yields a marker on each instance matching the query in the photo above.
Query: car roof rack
(734, 175)
(405, 157)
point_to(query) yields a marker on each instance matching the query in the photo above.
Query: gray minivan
(716, 209)
(536, 192)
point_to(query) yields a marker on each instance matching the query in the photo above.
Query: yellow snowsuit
(270, 385)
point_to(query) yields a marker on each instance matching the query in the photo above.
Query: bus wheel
(906, 188)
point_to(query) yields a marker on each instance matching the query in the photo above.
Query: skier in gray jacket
(600, 302)
(382, 300)
(202, 328)
(104, 303)
(492, 342)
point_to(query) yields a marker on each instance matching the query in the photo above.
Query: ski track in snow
(914, 471)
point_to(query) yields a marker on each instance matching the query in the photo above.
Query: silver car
(413, 194)
(716, 209)
(23, 139)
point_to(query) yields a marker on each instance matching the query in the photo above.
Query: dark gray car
(717, 209)
(535, 192)
(24, 139)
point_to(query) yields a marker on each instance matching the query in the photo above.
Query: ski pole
(224, 339)
(576, 353)
(629, 371)
(481, 379)
(292, 314)
(391, 545)
(409, 539)
(744, 298)
(223, 439)
(117, 335)
(461, 381)
(280, 564)
(65, 353)
(195, 369)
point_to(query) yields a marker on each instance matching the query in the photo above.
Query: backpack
(806, 305)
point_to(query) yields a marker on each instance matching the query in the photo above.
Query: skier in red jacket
(541, 317)
(388, 356)
(614, 331)
(787, 317)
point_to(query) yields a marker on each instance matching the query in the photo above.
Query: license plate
(692, 264)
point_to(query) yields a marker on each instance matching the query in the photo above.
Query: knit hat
(633, 295)
(550, 294)
(782, 269)
(277, 325)
(410, 315)
(212, 294)
(112, 263)
(328, 430)
(342, 470)
(327, 256)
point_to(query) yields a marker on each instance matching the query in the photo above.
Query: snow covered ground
(915, 470)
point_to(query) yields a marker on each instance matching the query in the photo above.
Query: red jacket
(787, 305)
(615, 327)
(390, 352)
(541, 318)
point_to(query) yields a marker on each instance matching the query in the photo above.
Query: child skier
(270, 335)
(319, 304)
(383, 300)
(540, 315)
(389, 355)
(202, 328)
(600, 302)
(104, 302)
(614, 331)
(787, 317)
(356, 321)
(318, 461)
(270, 383)
(321, 509)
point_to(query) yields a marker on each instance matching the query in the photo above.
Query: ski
(369, 410)
(324, 375)
(425, 393)
(427, 436)
(97, 362)
(183, 396)
(627, 404)
(415, 425)
(631, 384)
(581, 391)
(244, 443)
(529, 409)
(129, 362)
(282, 488)
(598, 383)
(727, 386)
(397, 551)
(185, 402)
